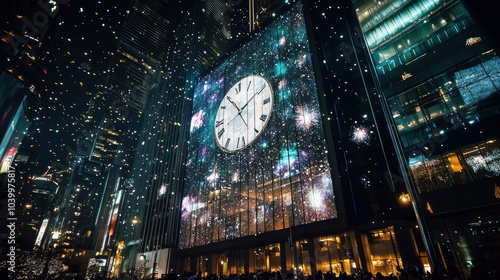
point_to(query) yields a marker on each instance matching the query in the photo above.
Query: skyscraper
(439, 72)
(296, 136)
(264, 201)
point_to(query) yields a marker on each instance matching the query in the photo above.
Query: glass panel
(491, 153)
(438, 173)
(383, 54)
(421, 177)
(476, 162)
(479, 81)
(413, 37)
(457, 10)
(332, 252)
(437, 109)
(414, 120)
(235, 262)
(274, 257)
(278, 209)
(439, 127)
(412, 138)
(266, 258)
(303, 259)
(456, 101)
(381, 248)
(455, 169)
(269, 211)
(398, 103)
(400, 20)
(399, 122)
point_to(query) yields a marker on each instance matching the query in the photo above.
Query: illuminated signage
(405, 76)
(41, 178)
(41, 232)
(472, 40)
(8, 159)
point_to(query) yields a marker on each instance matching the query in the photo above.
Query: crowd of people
(413, 273)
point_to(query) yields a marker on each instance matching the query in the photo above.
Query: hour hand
(239, 114)
(234, 104)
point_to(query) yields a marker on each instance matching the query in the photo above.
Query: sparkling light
(282, 41)
(360, 135)
(162, 190)
(316, 199)
(214, 176)
(306, 117)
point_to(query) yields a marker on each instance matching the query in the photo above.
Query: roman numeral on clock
(227, 142)
(242, 138)
(248, 87)
(219, 134)
(267, 100)
(263, 118)
(238, 88)
(219, 123)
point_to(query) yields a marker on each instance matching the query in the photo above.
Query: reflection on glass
(438, 173)
(456, 169)
(421, 177)
(333, 253)
(484, 159)
(399, 19)
(381, 246)
(479, 82)
(266, 258)
(448, 101)
(477, 162)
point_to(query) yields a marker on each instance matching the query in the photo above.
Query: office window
(484, 159)
(478, 162)
(455, 169)
(421, 176)
(438, 173)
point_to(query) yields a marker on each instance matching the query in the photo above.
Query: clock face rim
(264, 125)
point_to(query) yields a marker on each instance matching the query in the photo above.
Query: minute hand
(258, 92)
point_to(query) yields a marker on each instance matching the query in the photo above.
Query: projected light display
(257, 159)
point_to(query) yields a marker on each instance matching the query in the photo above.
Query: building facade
(355, 162)
(438, 70)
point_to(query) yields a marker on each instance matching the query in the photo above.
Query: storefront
(372, 251)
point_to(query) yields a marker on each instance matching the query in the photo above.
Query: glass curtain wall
(334, 254)
(282, 178)
(382, 251)
(400, 34)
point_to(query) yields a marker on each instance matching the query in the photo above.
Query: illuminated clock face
(243, 113)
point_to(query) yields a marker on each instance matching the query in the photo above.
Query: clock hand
(243, 120)
(234, 104)
(239, 114)
(258, 92)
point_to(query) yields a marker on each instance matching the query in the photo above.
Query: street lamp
(405, 198)
(45, 272)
